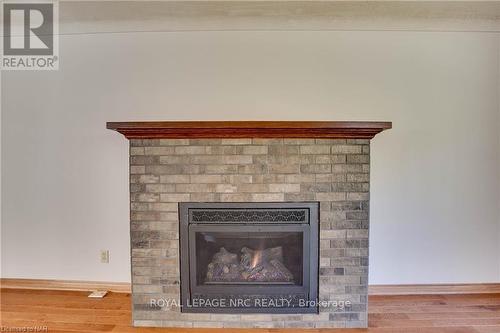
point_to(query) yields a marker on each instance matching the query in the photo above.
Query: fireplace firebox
(249, 257)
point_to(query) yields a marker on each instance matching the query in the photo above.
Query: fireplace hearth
(249, 257)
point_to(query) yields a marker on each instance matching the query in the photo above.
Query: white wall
(435, 175)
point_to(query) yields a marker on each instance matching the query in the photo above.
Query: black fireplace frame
(272, 217)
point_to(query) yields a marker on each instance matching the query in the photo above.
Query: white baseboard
(117, 287)
(433, 289)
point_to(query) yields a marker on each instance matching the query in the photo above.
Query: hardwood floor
(72, 311)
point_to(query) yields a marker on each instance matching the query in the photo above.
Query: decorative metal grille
(249, 215)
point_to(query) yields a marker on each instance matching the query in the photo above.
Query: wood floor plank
(70, 311)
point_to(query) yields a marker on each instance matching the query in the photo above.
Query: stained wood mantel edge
(249, 129)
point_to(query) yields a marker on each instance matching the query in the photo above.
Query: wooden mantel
(249, 129)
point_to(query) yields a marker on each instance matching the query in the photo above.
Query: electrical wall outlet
(105, 256)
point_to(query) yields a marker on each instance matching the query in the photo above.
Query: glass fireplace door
(236, 256)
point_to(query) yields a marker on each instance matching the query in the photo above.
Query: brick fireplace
(174, 164)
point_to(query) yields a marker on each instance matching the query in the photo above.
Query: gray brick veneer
(164, 172)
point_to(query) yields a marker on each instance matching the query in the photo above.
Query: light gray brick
(174, 197)
(324, 244)
(146, 289)
(299, 324)
(144, 179)
(169, 216)
(137, 188)
(182, 179)
(264, 141)
(297, 159)
(194, 188)
(316, 187)
(330, 141)
(136, 150)
(290, 150)
(145, 197)
(206, 179)
(235, 197)
(257, 317)
(298, 141)
(334, 234)
(237, 179)
(226, 188)
(324, 262)
(224, 150)
(358, 141)
(284, 187)
(357, 233)
(337, 177)
(255, 150)
(252, 188)
(315, 149)
(252, 169)
(330, 196)
(205, 197)
(322, 159)
(267, 197)
(358, 196)
(143, 160)
(299, 197)
(236, 159)
(208, 324)
(135, 143)
(139, 206)
(206, 159)
(205, 142)
(173, 142)
(141, 279)
(350, 187)
(190, 150)
(358, 177)
(221, 169)
(137, 169)
(316, 168)
(224, 317)
(236, 141)
(300, 178)
(160, 188)
(347, 168)
(159, 150)
(356, 252)
(268, 178)
(144, 216)
(316, 316)
(164, 169)
(358, 159)
(346, 149)
(175, 159)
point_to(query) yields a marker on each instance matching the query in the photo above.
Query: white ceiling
(121, 16)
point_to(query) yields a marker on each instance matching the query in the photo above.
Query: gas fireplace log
(255, 266)
(252, 258)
